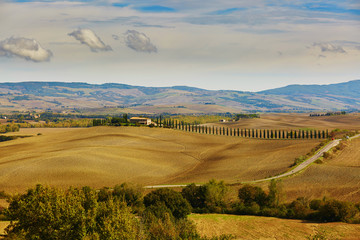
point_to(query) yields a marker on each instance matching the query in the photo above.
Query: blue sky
(229, 44)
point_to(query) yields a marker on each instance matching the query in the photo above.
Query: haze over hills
(64, 96)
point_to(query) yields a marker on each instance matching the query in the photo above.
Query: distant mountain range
(84, 97)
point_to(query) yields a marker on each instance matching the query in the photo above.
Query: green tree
(249, 194)
(174, 201)
(276, 194)
(132, 195)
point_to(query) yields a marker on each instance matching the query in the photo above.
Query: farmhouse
(140, 120)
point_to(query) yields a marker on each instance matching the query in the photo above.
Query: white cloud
(139, 42)
(88, 37)
(329, 47)
(28, 49)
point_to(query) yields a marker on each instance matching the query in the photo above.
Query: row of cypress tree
(249, 133)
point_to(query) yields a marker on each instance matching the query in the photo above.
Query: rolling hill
(67, 97)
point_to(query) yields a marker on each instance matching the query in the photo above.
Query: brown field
(105, 156)
(338, 177)
(252, 227)
(298, 121)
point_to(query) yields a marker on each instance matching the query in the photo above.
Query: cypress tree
(223, 132)
(311, 134)
(238, 132)
(227, 131)
(323, 134)
(327, 133)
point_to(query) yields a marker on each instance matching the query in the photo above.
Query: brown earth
(253, 227)
(105, 156)
(297, 121)
(338, 177)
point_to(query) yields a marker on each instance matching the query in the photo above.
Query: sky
(228, 44)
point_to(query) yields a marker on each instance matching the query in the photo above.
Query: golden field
(254, 227)
(105, 156)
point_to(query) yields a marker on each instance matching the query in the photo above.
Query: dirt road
(297, 169)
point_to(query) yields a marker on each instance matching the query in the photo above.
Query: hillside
(105, 156)
(113, 97)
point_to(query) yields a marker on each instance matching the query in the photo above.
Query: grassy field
(105, 156)
(253, 227)
(297, 121)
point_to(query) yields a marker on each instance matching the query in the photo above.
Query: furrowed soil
(253, 227)
(105, 156)
(297, 121)
(338, 177)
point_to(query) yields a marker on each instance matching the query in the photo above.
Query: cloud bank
(89, 38)
(329, 47)
(28, 49)
(139, 42)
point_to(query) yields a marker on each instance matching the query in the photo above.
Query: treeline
(327, 114)
(125, 213)
(252, 200)
(249, 133)
(112, 121)
(65, 123)
(243, 115)
(4, 128)
(87, 214)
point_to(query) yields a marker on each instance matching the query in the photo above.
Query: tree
(249, 194)
(49, 213)
(276, 194)
(174, 201)
(130, 194)
(195, 195)
(333, 210)
(215, 193)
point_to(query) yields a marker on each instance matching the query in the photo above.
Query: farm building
(140, 120)
(222, 120)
